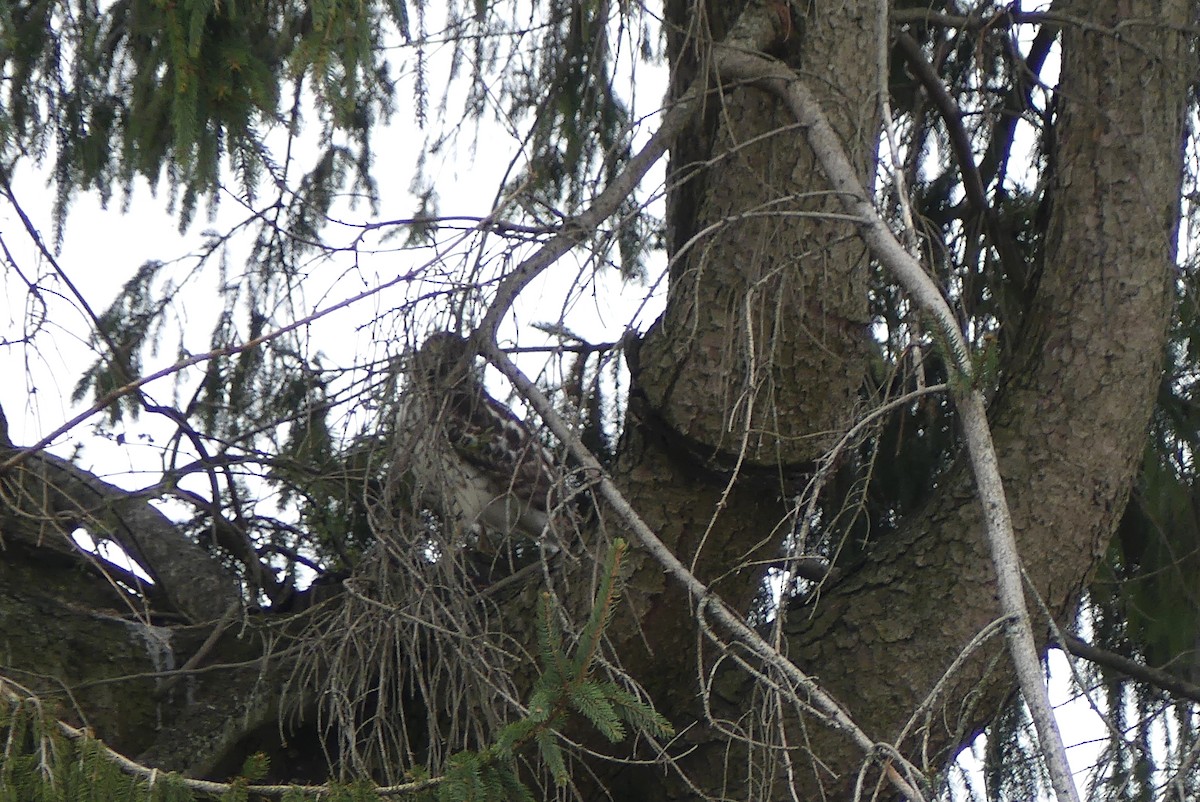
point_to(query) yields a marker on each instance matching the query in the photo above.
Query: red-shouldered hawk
(474, 463)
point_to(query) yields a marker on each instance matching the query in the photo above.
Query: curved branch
(49, 494)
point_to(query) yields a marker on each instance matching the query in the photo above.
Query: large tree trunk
(1070, 423)
(756, 364)
(757, 361)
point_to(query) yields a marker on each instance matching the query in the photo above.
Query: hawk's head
(443, 360)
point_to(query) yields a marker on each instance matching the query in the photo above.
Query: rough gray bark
(768, 286)
(1070, 424)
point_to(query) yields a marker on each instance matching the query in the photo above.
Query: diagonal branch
(577, 229)
(752, 31)
(1131, 668)
(708, 602)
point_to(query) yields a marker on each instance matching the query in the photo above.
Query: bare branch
(12, 692)
(753, 31)
(832, 712)
(1130, 668)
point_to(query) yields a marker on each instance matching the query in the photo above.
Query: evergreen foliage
(147, 88)
(565, 683)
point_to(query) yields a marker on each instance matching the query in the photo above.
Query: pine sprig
(590, 700)
(552, 754)
(565, 685)
(602, 610)
(550, 644)
(638, 714)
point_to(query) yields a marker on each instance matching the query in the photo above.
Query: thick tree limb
(47, 497)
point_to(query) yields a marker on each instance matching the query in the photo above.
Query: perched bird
(474, 463)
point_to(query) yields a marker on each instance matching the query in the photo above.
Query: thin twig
(205, 649)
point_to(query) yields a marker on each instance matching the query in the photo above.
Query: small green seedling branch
(982, 361)
(566, 686)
